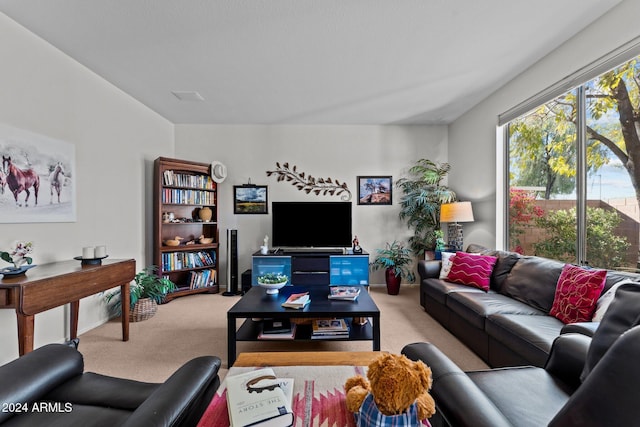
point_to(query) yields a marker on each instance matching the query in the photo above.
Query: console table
(52, 285)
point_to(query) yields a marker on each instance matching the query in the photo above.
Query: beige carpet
(196, 325)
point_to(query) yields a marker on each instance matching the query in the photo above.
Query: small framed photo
(250, 199)
(374, 190)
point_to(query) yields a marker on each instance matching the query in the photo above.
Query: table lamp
(453, 214)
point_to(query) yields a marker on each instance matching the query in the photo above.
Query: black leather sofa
(586, 381)
(48, 387)
(510, 324)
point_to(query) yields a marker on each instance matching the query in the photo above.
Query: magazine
(330, 325)
(258, 398)
(345, 293)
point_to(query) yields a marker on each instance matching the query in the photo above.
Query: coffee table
(257, 304)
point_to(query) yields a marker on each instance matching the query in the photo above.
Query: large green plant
(423, 193)
(397, 257)
(605, 248)
(147, 285)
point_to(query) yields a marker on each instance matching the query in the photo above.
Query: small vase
(205, 214)
(393, 282)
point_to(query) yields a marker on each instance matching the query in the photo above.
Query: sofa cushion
(475, 307)
(472, 269)
(532, 280)
(605, 300)
(447, 261)
(438, 289)
(531, 337)
(524, 390)
(577, 293)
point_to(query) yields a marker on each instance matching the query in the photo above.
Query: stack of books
(329, 329)
(344, 293)
(297, 300)
(277, 329)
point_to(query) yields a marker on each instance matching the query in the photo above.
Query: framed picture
(374, 190)
(250, 199)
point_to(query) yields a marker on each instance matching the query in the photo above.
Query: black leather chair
(47, 387)
(586, 382)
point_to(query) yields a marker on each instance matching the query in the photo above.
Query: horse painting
(3, 181)
(20, 180)
(56, 180)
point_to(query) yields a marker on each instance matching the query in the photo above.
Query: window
(571, 178)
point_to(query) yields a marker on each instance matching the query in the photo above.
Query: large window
(573, 185)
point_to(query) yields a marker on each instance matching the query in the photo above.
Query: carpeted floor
(196, 325)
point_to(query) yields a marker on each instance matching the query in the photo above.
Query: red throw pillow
(472, 269)
(577, 293)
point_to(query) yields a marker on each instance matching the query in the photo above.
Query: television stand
(308, 266)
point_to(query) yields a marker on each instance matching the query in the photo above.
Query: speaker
(232, 263)
(246, 281)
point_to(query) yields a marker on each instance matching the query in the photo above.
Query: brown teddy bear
(396, 387)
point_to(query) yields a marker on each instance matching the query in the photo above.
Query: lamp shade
(456, 212)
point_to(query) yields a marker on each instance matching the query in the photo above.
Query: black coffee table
(257, 304)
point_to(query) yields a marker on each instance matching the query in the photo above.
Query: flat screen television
(311, 224)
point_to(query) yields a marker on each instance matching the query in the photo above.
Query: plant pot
(144, 309)
(393, 282)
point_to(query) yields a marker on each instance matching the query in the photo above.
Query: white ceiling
(307, 61)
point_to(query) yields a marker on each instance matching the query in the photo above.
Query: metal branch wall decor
(309, 184)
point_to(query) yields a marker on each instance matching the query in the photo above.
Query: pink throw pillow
(472, 270)
(577, 293)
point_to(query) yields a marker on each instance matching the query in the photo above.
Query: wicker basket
(144, 309)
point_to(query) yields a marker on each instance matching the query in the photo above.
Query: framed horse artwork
(32, 166)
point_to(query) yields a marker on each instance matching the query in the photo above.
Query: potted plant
(395, 259)
(147, 291)
(423, 193)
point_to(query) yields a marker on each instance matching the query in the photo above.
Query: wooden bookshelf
(183, 188)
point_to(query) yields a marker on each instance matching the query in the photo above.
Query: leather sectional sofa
(47, 387)
(586, 382)
(510, 324)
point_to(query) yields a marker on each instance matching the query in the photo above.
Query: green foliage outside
(605, 248)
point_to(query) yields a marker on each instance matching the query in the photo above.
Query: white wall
(339, 152)
(472, 138)
(116, 139)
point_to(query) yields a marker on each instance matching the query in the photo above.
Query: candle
(88, 252)
(101, 251)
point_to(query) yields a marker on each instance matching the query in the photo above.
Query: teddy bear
(395, 387)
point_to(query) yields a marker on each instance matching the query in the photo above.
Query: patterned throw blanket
(318, 396)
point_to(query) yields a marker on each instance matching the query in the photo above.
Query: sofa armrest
(182, 399)
(567, 357)
(429, 269)
(28, 378)
(584, 328)
(458, 399)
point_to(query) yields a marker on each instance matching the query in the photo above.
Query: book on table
(259, 398)
(297, 300)
(329, 329)
(344, 293)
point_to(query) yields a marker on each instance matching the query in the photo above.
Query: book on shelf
(297, 300)
(344, 293)
(259, 398)
(276, 326)
(284, 335)
(330, 325)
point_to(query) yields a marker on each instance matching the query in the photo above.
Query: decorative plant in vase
(272, 282)
(423, 193)
(147, 291)
(18, 256)
(395, 259)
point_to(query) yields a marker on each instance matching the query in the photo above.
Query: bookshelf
(185, 247)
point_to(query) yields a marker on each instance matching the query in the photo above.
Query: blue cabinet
(349, 270)
(314, 268)
(269, 264)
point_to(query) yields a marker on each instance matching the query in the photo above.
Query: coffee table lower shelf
(250, 329)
